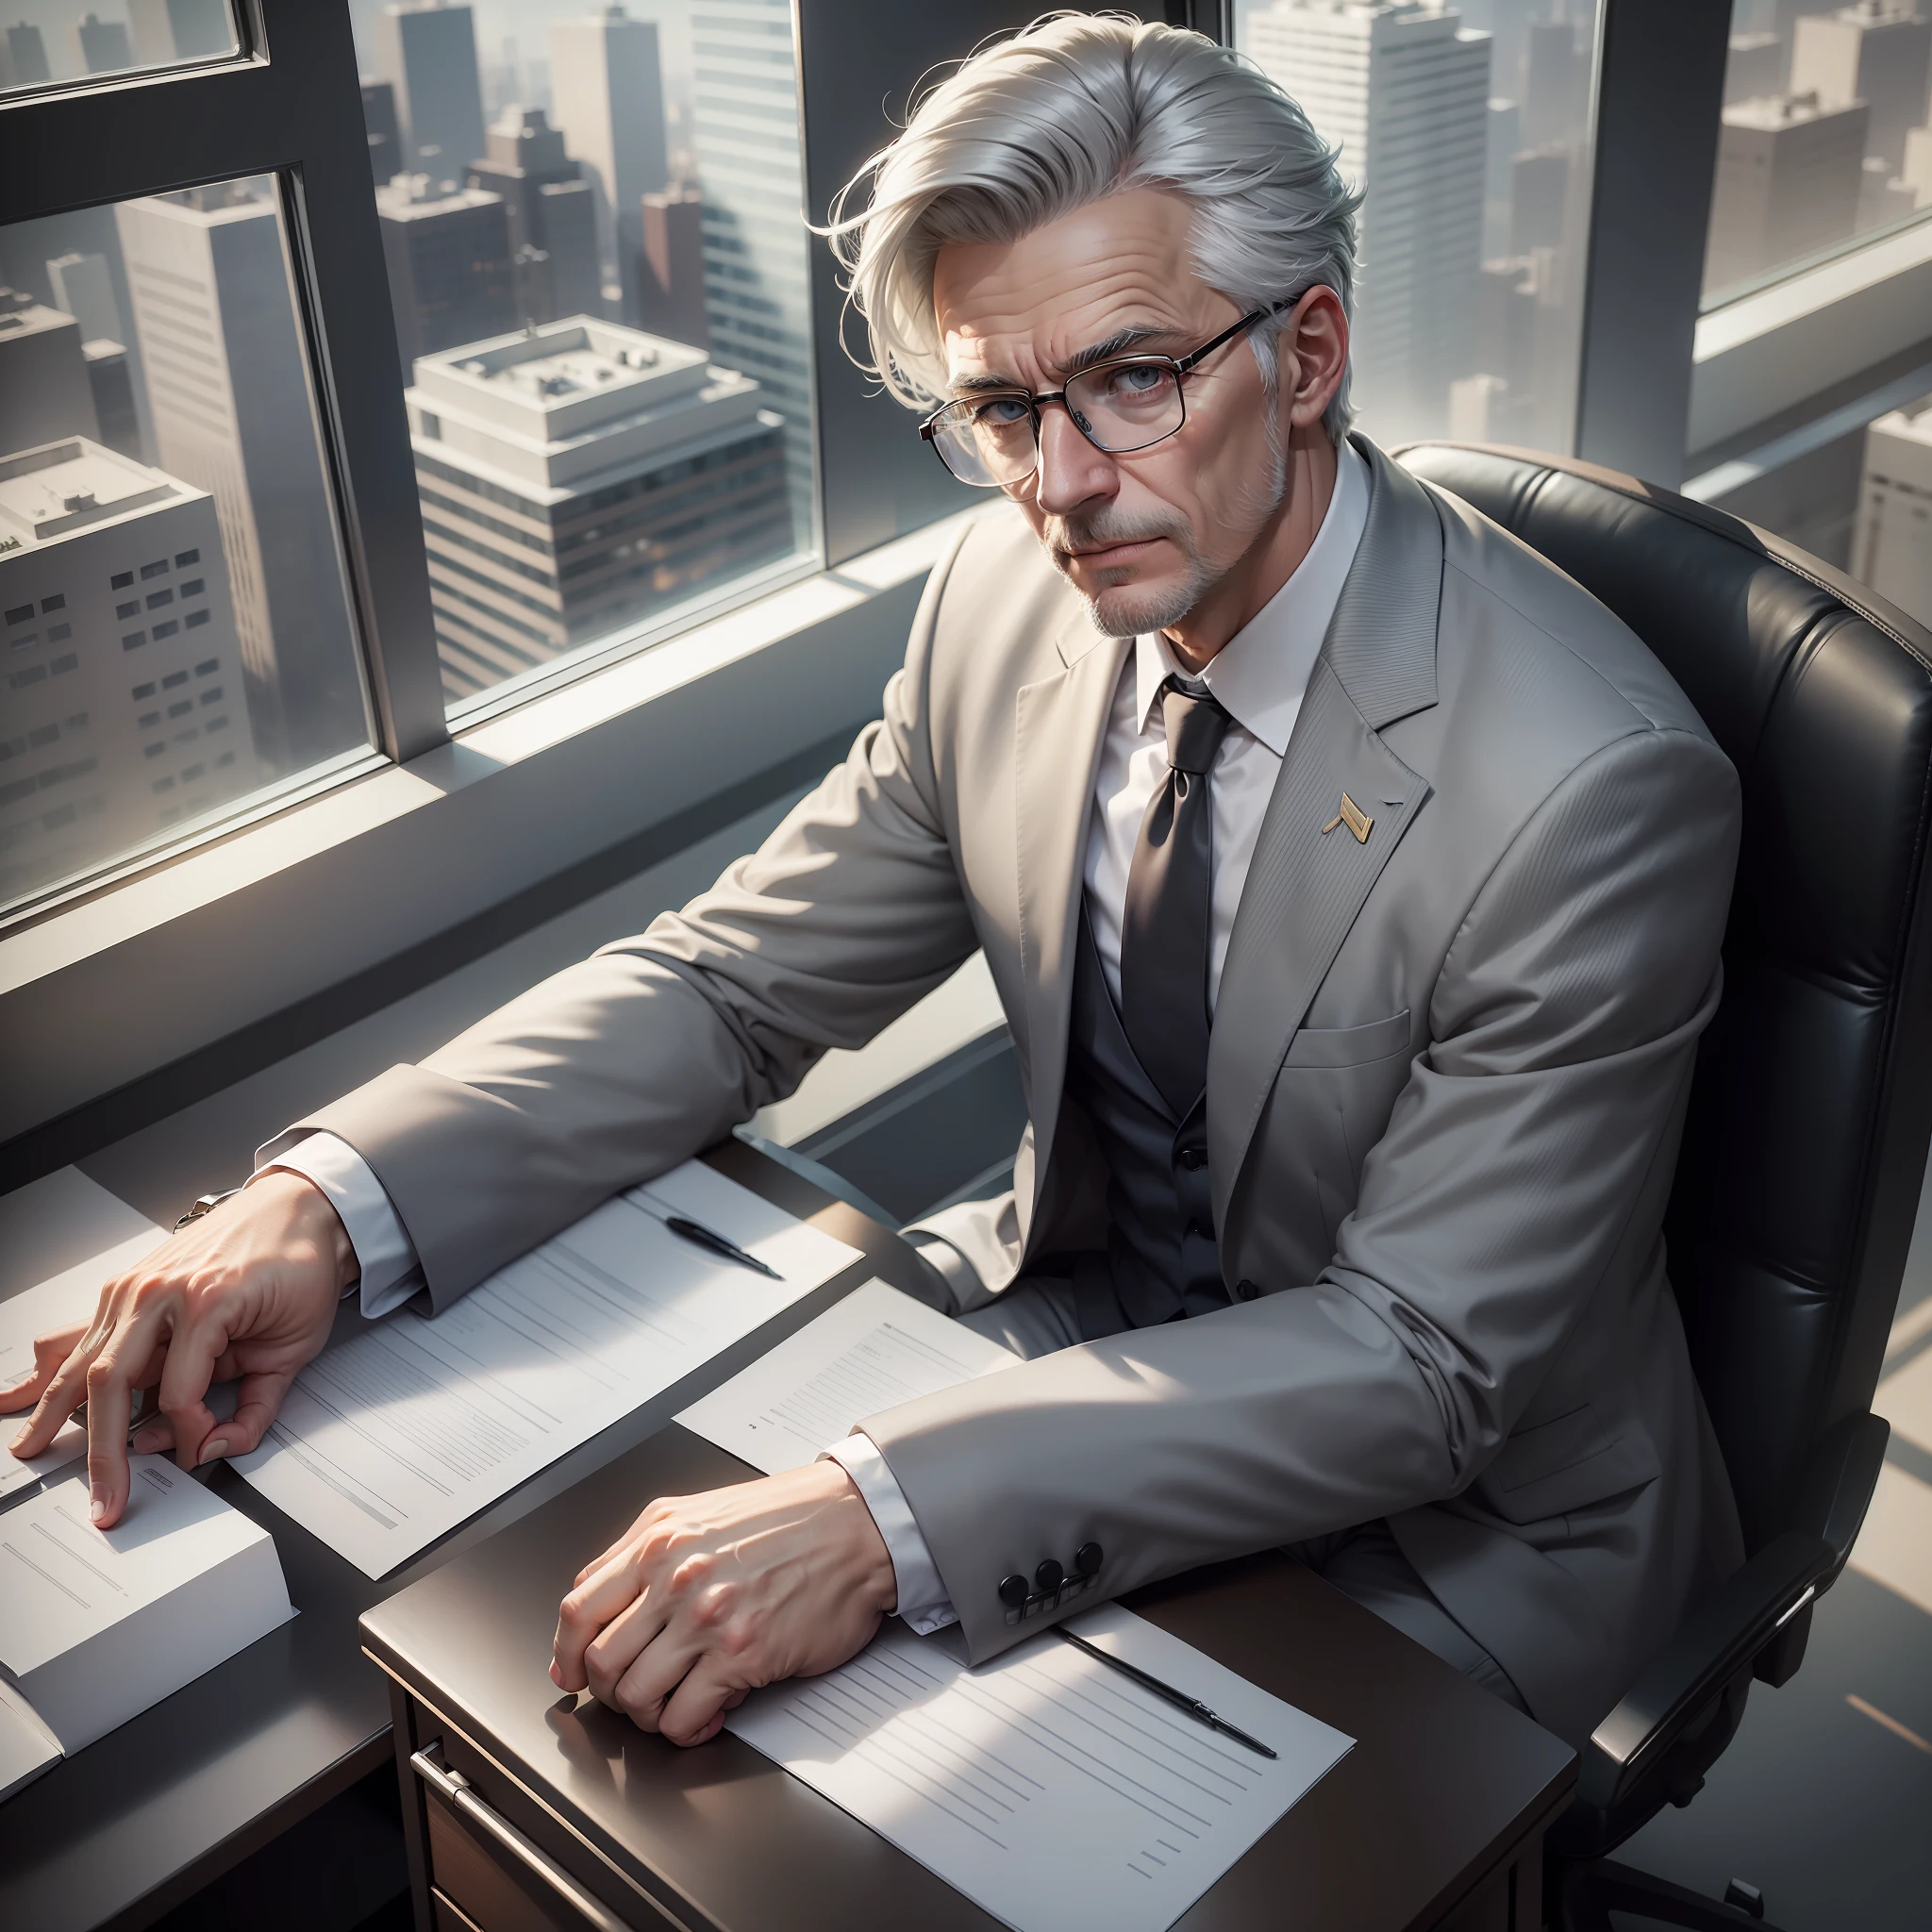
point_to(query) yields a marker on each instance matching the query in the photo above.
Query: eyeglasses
(1125, 403)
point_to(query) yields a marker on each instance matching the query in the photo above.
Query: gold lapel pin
(1354, 818)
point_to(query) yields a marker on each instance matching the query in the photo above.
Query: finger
(616, 1647)
(603, 1595)
(644, 1689)
(108, 1404)
(64, 1393)
(50, 1351)
(190, 1368)
(694, 1711)
(153, 1438)
(259, 1398)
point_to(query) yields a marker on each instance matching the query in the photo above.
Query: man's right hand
(249, 1290)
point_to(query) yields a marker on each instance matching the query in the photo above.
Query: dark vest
(1161, 1254)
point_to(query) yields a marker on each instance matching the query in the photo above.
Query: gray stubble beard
(1112, 613)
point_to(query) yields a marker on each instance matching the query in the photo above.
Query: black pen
(1179, 1699)
(703, 1237)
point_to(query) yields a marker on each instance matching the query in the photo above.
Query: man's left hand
(705, 1598)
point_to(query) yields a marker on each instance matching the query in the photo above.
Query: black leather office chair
(1811, 1106)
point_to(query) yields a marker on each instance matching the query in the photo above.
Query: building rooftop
(411, 197)
(59, 488)
(1769, 112)
(20, 315)
(1913, 422)
(561, 379)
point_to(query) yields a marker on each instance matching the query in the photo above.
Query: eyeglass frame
(1180, 365)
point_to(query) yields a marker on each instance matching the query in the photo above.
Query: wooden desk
(129, 1827)
(1435, 1818)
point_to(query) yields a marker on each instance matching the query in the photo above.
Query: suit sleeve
(618, 1068)
(1564, 1022)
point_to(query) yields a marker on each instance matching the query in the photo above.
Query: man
(1353, 883)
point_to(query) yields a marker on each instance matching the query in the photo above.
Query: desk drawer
(487, 1870)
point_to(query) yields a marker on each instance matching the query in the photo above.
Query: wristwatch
(203, 1203)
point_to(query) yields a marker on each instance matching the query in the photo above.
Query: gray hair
(1070, 109)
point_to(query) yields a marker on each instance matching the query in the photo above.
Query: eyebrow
(1122, 343)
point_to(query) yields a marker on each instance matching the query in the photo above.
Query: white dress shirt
(1259, 676)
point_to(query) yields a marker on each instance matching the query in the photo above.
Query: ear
(1312, 352)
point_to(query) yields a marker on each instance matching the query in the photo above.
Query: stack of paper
(27, 1748)
(394, 1436)
(95, 1625)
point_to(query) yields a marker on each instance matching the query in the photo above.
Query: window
(1467, 127)
(175, 404)
(68, 41)
(591, 223)
(1824, 142)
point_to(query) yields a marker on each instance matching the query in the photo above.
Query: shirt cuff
(390, 1273)
(924, 1604)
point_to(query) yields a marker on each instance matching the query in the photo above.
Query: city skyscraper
(111, 382)
(227, 385)
(1756, 65)
(758, 289)
(102, 45)
(578, 476)
(84, 288)
(606, 88)
(166, 30)
(122, 713)
(1556, 71)
(552, 216)
(1404, 88)
(26, 54)
(44, 393)
(1891, 546)
(671, 278)
(448, 252)
(427, 52)
(1879, 52)
(384, 132)
(1789, 172)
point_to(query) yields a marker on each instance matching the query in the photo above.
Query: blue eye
(1000, 412)
(1133, 381)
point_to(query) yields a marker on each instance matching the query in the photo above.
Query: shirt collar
(1261, 673)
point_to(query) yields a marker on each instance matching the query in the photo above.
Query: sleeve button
(1013, 1591)
(1087, 1560)
(1245, 1292)
(1049, 1575)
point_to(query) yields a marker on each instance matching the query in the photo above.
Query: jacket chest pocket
(1337, 1088)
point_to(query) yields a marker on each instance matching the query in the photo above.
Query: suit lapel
(1059, 724)
(1305, 887)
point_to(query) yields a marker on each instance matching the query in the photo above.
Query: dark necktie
(1165, 931)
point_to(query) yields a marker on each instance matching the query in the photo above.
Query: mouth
(1113, 556)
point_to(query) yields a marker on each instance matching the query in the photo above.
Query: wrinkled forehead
(1023, 312)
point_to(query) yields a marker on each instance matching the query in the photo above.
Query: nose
(1071, 471)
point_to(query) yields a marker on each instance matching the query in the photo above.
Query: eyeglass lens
(1118, 408)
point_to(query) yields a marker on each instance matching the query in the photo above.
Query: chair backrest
(1805, 1145)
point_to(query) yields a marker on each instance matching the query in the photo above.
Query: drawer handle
(455, 1787)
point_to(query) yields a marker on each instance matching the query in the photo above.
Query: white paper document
(391, 1438)
(1050, 1789)
(98, 1624)
(871, 1351)
(27, 1748)
(71, 1295)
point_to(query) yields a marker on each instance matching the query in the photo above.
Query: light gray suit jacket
(1445, 1089)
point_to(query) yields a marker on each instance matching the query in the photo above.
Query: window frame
(276, 108)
